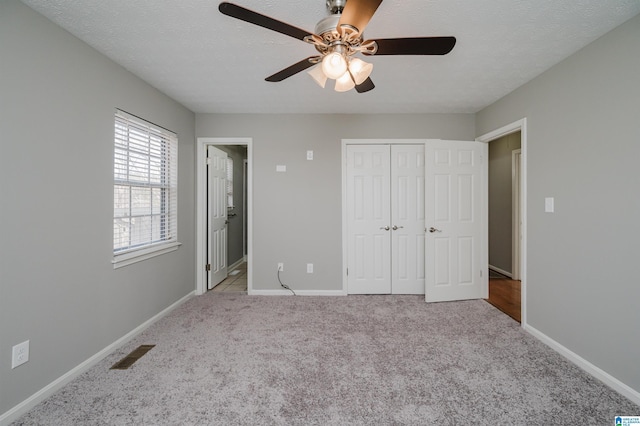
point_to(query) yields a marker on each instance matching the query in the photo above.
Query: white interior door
(368, 219)
(453, 194)
(385, 219)
(217, 216)
(407, 219)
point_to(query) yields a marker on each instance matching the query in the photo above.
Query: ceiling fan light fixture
(360, 70)
(334, 65)
(344, 83)
(318, 76)
(337, 38)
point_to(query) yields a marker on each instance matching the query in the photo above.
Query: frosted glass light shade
(318, 76)
(344, 83)
(334, 65)
(360, 70)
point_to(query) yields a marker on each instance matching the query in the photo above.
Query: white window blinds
(145, 193)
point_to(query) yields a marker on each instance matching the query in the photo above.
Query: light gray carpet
(232, 359)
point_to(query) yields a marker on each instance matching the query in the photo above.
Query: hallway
(504, 294)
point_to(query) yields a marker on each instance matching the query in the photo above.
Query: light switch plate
(549, 205)
(309, 155)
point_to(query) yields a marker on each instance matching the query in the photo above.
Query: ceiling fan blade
(415, 46)
(358, 13)
(256, 18)
(365, 86)
(291, 70)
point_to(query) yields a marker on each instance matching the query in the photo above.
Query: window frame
(230, 200)
(132, 137)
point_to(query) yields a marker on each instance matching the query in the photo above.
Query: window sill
(130, 258)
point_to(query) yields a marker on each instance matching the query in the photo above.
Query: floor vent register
(128, 360)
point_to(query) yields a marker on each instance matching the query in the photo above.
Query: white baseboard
(501, 271)
(284, 292)
(596, 372)
(26, 405)
(236, 264)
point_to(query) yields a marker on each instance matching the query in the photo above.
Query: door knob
(432, 230)
(386, 228)
(397, 227)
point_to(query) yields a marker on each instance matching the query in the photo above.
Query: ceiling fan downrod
(336, 6)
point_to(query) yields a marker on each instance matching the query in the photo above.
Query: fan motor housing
(327, 25)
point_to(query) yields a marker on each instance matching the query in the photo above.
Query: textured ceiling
(212, 63)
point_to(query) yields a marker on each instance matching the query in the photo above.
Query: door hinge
(347, 271)
(207, 267)
(209, 161)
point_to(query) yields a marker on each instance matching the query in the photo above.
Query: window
(230, 183)
(145, 195)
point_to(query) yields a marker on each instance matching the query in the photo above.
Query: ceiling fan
(338, 38)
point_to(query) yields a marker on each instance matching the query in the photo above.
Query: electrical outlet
(281, 267)
(309, 268)
(20, 354)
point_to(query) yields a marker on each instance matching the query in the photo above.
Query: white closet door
(368, 219)
(453, 197)
(407, 219)
(217, 215)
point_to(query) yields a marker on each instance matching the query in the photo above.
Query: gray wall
(58, 288)
(500, 200)
(298, 214)
(583, 149)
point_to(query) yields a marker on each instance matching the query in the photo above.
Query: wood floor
(504, 294)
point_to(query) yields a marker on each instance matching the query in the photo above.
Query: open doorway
(227, 205)
(233, 206)
(504, 221)
(505, 217)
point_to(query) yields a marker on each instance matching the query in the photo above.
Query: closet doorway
(385, 219)
(413, 218)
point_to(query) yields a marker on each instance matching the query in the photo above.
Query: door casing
(516, 212)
